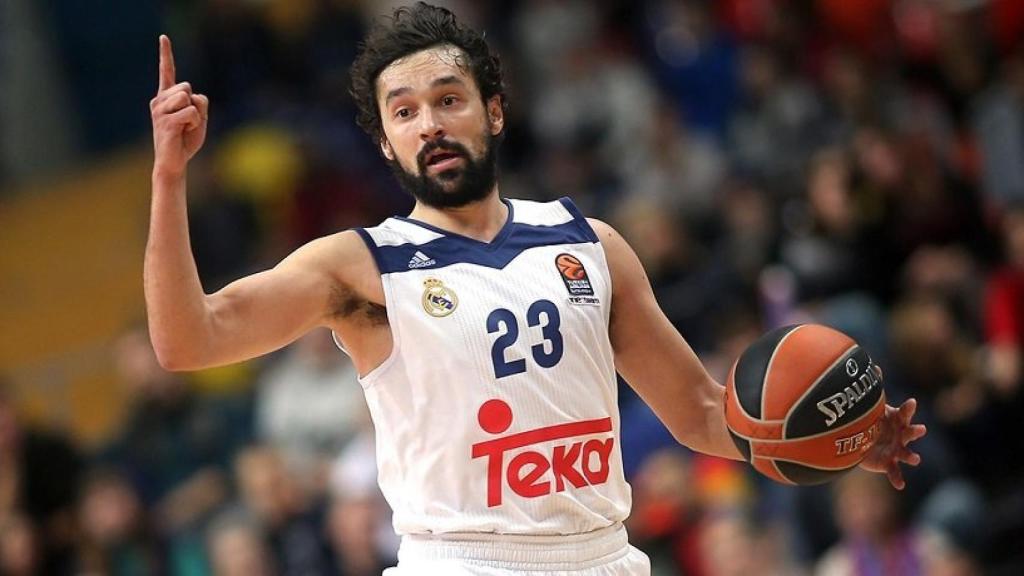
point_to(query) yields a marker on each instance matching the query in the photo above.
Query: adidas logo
(421, 260)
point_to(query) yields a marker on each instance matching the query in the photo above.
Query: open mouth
(442, 160)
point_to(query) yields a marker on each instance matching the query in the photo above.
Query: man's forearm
(175, 301)
(704, 429)
(716, 440)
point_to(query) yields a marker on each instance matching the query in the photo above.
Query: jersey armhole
(373, 375)
(591, 235)
(580, 219)
(337, 342)
(378, 258)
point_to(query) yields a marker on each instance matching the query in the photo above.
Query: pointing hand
(179, 117)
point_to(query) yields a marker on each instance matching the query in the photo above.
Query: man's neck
(481, 220)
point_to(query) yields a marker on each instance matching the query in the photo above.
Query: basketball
(802, 404)
(570, 266)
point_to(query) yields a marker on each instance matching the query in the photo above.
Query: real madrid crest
(438, 299)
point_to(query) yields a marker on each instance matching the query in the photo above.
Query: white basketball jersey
(496, 410)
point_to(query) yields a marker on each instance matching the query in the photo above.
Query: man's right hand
(179, 118)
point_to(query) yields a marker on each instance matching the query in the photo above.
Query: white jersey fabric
(496, 411)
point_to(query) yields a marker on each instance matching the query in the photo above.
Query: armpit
(346, 304)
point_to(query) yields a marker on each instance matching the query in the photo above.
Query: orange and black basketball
(570, 267)
(802, 403)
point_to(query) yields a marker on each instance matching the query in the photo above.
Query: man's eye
(448, 100)
(402, 113)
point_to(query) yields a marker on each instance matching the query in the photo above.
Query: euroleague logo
(574, 276)
(534, 473)
(570, 267)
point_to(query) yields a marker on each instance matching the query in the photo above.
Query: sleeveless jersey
(496, 410)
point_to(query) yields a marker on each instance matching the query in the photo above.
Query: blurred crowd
(858, 164)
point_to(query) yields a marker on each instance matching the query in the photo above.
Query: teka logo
(531, 473)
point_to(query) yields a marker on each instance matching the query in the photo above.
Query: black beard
(472, 182)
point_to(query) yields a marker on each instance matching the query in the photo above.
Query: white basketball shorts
(604, 552)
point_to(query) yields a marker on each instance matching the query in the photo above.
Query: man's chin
(448, 179)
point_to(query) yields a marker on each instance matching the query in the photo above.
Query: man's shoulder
(342, 258)
(330, 249)
(601, 228)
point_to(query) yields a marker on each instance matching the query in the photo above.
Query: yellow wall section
(70, 282)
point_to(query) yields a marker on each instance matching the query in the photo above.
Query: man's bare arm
(655, 359)
(252, 316)
(249, 317)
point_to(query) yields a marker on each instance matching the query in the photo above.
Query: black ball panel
(751, 369)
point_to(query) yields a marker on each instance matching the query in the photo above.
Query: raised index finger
(166, 63)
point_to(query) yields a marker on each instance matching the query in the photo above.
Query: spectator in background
(875, 536)
(673, 259)
(1004, 343)
(667, 514)
(776, 126)
(731, 545)
(955, 529)
(236, 547)
(590, 101)
(942, 557)
(116, 537)
(1004, 310)
(672, 168)
(39, 475)
(353, 526)
(358, 527)
(696, 62)
(853, 96)
(915, 197)
(727, 547)
(692, 288)
(19, 547)
(749, 235)
(935, 360)
(998, 122)
(831, 248)
(175, 445)
(685, 506)
(309, 405)
(290, 525)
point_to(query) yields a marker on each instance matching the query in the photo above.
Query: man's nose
(430, 127)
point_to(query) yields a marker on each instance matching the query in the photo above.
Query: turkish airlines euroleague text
(532, 473)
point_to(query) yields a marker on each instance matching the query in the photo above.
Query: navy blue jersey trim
(502, 235)
(579, 217)
(374, 249)
(455, 249)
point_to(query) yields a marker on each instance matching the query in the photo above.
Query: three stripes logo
(421, 260)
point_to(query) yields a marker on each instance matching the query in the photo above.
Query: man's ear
(495, 115)
(385, 149)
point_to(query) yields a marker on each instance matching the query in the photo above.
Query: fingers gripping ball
(802, 404)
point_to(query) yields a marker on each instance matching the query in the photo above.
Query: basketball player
(487, 331)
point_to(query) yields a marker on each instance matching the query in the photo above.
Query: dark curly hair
(409, 30)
